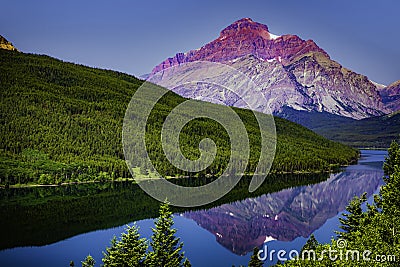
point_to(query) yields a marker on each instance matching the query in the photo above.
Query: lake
(49, 226)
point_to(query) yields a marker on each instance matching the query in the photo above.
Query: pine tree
(352, 220)
(390, 196)
(128, 252)
(254, 260)
(167, 249)
(311, 243)
(88, 262)
(393, 158)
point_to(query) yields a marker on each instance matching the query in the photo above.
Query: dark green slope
(375, 132)
(62, 122)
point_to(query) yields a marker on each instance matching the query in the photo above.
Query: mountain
(62, 122)
(290, 72)
(374, 132)
(285, 215)
(391, 96)
(4, 44)
(245, 37)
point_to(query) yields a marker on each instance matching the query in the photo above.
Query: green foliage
(254, 260)
(393, 159)
(130, 251)
(62, 123)
(166, 247)
(352, 219)
(88, 262)
(187, 263)
(311, 243)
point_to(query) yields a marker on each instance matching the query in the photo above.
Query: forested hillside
(62, 122)
(374, 132)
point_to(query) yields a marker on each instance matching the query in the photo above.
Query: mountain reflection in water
(285, 215)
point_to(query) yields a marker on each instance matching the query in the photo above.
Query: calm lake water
(51, 226)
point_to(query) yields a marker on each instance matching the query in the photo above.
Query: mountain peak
(246, 22)
(4, 44)
(391, 96)
(291, 72)
(245, 19)
(246, 26)
(246, 37)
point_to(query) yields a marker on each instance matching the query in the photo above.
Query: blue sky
(134, 36)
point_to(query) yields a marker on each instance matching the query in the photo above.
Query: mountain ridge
(391, 95)
(373, 132)
(310, 76)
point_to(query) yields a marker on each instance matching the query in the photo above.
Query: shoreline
(373, 148)
(335, 169)
(133, 180)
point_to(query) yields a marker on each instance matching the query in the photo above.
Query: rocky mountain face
(245, 37)
(286, 215)
(4, 44)
(391, 96)
(290, 72)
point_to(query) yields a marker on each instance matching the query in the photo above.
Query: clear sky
(134, 36)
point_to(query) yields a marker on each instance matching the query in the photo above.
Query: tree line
(131, 250)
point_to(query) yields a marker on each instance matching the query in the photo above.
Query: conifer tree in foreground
(88, 262)
(254, 260)
(130, 251)
(393, 158)
(166, 247)
(352, 220)
(311, 243)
